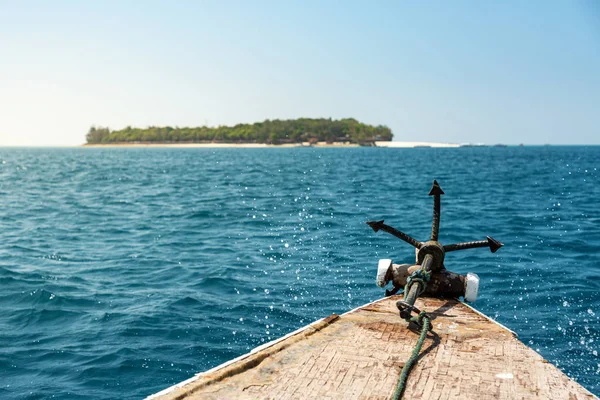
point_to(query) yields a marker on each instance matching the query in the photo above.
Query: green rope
(425, 323)
(419, 276)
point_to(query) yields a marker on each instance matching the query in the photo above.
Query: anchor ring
(402, 305)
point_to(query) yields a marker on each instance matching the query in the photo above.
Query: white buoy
(471, 287)
(382, 269)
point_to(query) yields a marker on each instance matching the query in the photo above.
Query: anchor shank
(379, 225)
(410, 298)
(427, 263)
(414, 289)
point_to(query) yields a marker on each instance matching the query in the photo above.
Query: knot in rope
(420, 277)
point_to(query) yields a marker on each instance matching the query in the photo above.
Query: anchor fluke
(494, 244)
(379, 225)
(375, 225)
(436, 189)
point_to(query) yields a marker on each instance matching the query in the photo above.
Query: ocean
(124, 271)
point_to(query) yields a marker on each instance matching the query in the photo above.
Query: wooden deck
(359, 355)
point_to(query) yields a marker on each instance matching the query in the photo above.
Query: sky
(445, 71)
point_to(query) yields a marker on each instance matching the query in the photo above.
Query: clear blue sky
(475, 71)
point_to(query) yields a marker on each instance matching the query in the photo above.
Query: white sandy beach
(415, 144)
(264, 145)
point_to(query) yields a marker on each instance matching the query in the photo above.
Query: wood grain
(359, 355)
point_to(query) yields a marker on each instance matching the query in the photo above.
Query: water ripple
(127, 270)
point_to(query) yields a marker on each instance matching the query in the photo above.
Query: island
(308, 131)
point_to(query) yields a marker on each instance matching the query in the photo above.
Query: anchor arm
(379, 225)
(436, 191)
(492, 243)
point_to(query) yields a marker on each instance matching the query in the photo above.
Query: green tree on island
(269, 131)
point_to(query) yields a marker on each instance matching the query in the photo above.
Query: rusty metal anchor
(429, 275)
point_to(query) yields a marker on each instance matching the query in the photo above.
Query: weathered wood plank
(360, 354)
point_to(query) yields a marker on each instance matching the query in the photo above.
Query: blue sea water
(124, 271)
